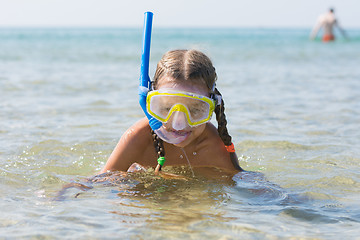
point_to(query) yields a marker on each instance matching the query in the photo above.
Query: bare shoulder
(214, 150)
(212, 137)
(130, 148)
(138, 134)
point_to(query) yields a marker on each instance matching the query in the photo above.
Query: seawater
(293, 110)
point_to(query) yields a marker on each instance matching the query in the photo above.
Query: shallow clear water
(293, 108)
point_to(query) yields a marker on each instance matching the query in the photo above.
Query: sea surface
(293, 110)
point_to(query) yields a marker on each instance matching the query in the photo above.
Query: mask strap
(213, 88)
(215, 96)
(152, 83)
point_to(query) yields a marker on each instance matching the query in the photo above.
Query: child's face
(192, 132)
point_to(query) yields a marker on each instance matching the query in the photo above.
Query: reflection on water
(225, 205)
(171, 206)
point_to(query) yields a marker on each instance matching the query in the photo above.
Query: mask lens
(160, 106)
(198, 110)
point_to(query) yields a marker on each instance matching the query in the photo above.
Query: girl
(183, 98)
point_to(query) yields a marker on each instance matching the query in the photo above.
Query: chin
(186, 141)
(182, 144)
(192, 136)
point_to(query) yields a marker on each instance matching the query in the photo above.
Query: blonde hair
(186, 65)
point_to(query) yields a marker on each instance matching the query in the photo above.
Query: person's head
(331, 10)
(178, 72)
(192, 75)
(190, 72)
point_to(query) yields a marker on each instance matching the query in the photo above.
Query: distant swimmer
(327, 21)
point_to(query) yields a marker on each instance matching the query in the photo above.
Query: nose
(179, 121)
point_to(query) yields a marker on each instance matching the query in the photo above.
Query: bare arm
(315, 30)
(130, 148)
(342, 31)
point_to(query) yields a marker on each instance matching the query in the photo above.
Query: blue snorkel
(144, 72)
(145, 82)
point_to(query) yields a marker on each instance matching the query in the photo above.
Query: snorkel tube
(145, 84)
(144, 72)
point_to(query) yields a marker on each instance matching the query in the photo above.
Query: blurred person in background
(327, 21)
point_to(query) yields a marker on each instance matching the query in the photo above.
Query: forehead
(183, 86)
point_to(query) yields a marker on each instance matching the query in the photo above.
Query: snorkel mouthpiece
(144, 86)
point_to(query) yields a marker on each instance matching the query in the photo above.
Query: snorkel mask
(183, 109)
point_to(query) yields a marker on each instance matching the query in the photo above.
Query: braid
(221, 119)
(159, 149)
(223, 132)
(158, 144)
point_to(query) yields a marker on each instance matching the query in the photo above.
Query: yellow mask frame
(208, 105)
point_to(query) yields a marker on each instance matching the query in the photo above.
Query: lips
(171, 135)
(176, 137)
(180, 133)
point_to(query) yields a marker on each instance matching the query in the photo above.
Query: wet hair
(191, 66)
(194, 67)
